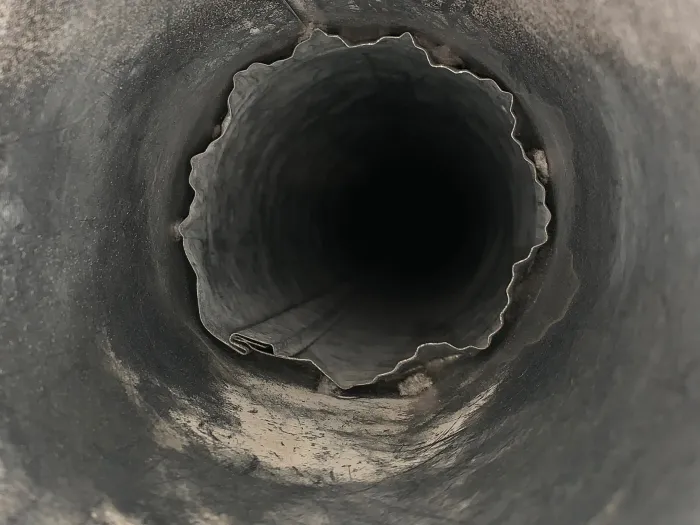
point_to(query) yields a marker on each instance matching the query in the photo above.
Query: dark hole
(409, 215)
(368, 170)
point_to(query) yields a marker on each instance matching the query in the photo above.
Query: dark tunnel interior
(360, 203)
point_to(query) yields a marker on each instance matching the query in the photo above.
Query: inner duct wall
(362, 209)
(116, 406)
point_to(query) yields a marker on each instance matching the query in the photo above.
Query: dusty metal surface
(115, 407)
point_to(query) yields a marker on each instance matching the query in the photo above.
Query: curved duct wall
(363, 210)
(118, 407)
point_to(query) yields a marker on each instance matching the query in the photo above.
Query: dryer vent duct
(379, 262)
(364, 209)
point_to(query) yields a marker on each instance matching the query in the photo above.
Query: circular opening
(361, 204)
(412, 212)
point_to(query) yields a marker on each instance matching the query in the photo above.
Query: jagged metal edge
(518, 270)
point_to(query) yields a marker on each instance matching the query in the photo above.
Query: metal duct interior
(360, 204)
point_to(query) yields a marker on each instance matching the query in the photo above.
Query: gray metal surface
(116, 407)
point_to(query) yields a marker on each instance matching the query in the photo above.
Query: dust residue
(107, 514)
(650, 34)
(207, 517)
(539, 159)
(169, 437)
(15, 492)
(444, 428)
(13, 213)
(4, 21)
(39, 40)
(127, 377)
(307, 437)
(415, 384)
(303, 436)
(608, 515)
